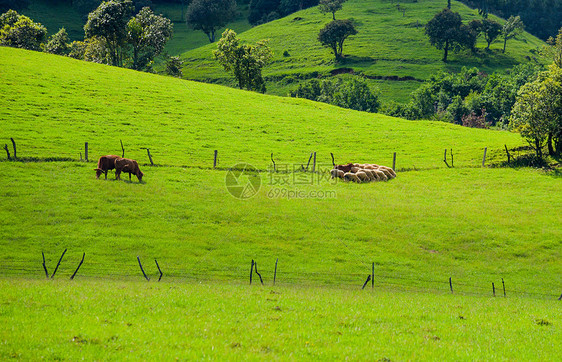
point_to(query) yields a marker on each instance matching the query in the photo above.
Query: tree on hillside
(210, 15)
(19, 31)
(58, 43)
(109, 22)
(554, 49)
(330, 6)
(245, 61)
(537, 113)
(491, 30)
(446, 31)
(511, 29)
(334, 34)
(147, 34)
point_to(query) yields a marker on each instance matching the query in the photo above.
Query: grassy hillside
(388, 45)
(431, 222)
(183, 122)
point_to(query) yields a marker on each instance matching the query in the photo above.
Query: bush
(353, 93)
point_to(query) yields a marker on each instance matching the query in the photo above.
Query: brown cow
(105, 163)
(127, 165)
(345, 168)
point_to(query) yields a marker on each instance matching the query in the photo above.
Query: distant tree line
(446, 31)
(542, 18)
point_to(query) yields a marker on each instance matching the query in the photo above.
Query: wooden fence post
(142, 270)
(7, 151)
(44, 266)
(158, 266)
(215, 159)
(394, 161)
(333, 161)
(451, 284)
(484, 158)
(275, 273)
(251, 271)
(14, 144)
(256, 269)
(366, 281)
(310, 158)
(445, 158)
(508, 155)
(86, 151)
(122, 149)
(493, 289)
(274, 167)
(503, 283)
(149, 156)
(314, 162)
(373, 276)
(64, 252)
(79, 265)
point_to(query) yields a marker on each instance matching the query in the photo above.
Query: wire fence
(174, 272)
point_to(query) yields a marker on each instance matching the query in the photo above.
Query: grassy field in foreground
(123, 320)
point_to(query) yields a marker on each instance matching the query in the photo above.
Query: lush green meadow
(112, 320)
(476, 225)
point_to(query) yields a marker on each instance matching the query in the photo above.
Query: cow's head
(99, 171)
(140, 175)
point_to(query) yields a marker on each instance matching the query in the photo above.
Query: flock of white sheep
(363, 172)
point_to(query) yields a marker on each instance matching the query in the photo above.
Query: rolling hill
(390, 49)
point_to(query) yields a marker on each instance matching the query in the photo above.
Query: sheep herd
(363, 172)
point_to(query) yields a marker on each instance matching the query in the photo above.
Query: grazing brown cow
(127, 165)
(345, 168)
(105, 163)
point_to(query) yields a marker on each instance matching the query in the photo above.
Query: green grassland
(101, 320)
(388, 45)
(476, 225)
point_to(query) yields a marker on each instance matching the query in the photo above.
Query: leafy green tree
(59, 43)
(147, 34)
(537, 113)
(245, 61)
(210, 15)
(19, 31)
(352, 93)
(330, 6)
(91, 50)
(260, 10)
(109, 22)
(334, 34)
(491, 30)
(554, 49)
(173, 66)
(446, 31)
(356, 94)
(511, 29)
